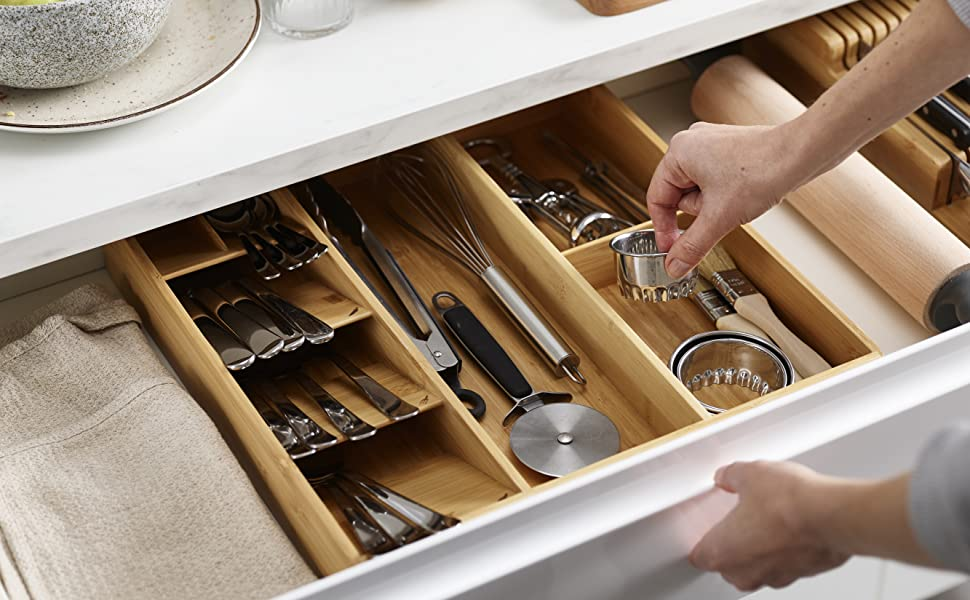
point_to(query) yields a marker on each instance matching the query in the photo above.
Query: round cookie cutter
(731, 358)
(640, 270)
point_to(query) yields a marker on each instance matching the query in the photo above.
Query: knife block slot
(663, 326)
(362, 345)
(593, 121)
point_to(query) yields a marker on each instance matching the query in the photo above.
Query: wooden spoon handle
(756, 309)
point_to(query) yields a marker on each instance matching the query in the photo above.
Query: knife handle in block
(756, 309)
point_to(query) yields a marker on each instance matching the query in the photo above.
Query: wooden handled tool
(719, 268)
(720, 311)
(909, 254)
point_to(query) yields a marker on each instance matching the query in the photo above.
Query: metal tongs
(320, 197)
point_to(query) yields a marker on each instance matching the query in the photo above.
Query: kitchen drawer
(810, 55)
(443, 457)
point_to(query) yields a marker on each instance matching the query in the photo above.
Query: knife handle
(962, 89)
(755, 308)
(481, 345)
(948, 119)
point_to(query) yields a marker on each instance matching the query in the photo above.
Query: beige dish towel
(113, 481)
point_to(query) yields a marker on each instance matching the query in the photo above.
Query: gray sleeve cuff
(962, 9)
(939, 498)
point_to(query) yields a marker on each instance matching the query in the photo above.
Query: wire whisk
(435, 210)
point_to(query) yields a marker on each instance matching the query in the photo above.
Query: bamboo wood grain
(882, 230)
(275, 475)
(609, 8)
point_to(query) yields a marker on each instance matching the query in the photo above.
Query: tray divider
(284, 488)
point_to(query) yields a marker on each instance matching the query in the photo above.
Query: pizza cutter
(552, 439)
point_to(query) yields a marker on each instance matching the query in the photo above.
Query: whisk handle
(550, 344)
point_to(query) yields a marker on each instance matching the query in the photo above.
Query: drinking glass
(308, 19)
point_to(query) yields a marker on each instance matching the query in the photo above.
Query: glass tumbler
(308, 19)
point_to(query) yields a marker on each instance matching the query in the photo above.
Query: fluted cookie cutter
(731, 358)
(640, 271)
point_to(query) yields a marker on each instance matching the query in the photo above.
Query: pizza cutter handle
(480, 344)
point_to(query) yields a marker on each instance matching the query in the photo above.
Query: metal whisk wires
(451, 230)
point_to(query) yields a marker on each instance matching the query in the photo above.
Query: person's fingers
(664, 195)
(731, 478)
(694, 244)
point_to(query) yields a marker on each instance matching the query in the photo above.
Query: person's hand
(726, 176)
(769, 538)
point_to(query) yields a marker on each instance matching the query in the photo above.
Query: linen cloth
(962, 9)
(113, 481)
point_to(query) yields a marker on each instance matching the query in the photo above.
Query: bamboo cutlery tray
(809, 56)
(443, 457)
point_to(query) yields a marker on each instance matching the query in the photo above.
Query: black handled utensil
(334, 212)
(948, 119)
(552, 439)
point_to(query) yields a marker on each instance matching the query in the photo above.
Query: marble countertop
(402, 73)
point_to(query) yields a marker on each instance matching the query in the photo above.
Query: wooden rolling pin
(909, 254)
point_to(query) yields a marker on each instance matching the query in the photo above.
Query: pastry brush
(719, 268)
(720, 311)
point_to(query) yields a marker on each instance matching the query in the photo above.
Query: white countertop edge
(41, 240)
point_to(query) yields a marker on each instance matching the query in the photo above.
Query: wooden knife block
(810, 55)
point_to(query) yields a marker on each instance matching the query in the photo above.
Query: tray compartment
(663, 326)
(594, 121)
(625, 381)
(371, 338)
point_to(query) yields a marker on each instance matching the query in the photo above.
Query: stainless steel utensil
(386, 401)
(240, 218)
(267, 213)
(370, 536)
(231, 350)
(233, 293)
(442, 220)
(310, 433)
(577, 218)
(731, 358)
(234, 220)
(605, 179)
(640, 270)
(264, 343)
(417, 323)
(419, 514)
(278, 425)
(399, 530)
(343, 419)
(552, 439)
(313, 329)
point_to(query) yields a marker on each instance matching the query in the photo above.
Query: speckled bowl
(74, 41)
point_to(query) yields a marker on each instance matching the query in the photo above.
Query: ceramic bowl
(74, 41)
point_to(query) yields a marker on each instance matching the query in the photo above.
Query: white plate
(201, 42)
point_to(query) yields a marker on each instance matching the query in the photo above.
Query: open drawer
(443, 457)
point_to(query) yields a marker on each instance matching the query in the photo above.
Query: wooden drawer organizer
(444, 457)
(810, 55)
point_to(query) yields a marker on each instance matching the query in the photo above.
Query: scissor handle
(472, 401)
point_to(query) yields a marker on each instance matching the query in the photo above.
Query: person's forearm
(927, 53)
(868, 518)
